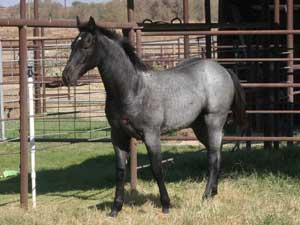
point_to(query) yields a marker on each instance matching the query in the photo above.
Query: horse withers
(144, 103)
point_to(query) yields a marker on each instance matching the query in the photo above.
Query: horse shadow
(132, 198)
(98, 173)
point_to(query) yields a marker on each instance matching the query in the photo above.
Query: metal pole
(29, 11)
(221, 32)
(277, 11)
(133, 163)
(186, 20)
(139, 43)
(133, 142)
(208, 21)
(290, 46)
(234, 138)
(130, 16)
(60, 23)
(178, 50)
(37, 59)
(276, 70)
(2, 117)
(32, 134)
(43, 71)
(130, 10)
(23, 110)
(290, 78)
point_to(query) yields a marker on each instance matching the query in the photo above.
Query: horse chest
(125, 124)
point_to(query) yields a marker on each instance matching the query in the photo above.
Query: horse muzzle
(69, 77)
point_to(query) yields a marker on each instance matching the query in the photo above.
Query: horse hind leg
(209, 132)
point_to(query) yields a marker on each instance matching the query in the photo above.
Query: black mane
(123, 42)
(130, 52)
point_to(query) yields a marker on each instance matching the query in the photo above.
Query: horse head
(83, 52)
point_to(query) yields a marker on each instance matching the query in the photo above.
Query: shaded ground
(97, 172)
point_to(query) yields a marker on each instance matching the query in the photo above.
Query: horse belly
(181, 114)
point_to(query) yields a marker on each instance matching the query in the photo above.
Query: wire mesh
(62, 113)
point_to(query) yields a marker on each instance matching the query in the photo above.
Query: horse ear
(92, 23)
(78, 21)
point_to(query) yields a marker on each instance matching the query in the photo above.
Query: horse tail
(238, 106)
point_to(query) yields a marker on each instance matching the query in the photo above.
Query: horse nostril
(65, 80)
(65, 76)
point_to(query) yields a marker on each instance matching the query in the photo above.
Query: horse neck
(120, 78)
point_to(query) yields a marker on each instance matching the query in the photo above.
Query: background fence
(60, 112)
(77, 113)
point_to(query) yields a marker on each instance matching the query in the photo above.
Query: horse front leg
(121, 147)
(152, 142)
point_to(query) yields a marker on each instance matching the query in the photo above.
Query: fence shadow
(98, 173)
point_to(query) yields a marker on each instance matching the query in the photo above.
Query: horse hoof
(165, 210)
(210, 195)
(113, 213)
(205, 198)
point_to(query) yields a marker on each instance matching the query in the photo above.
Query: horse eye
(87, 43)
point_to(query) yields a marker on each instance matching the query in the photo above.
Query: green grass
(62, 128)
(76, 186)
